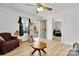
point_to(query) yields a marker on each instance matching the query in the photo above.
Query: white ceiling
(31, 10)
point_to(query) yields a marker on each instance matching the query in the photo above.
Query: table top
(39, 45)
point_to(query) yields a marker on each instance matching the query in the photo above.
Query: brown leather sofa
(9, 44)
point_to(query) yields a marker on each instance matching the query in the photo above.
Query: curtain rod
(24, 17)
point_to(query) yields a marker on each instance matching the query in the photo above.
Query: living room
(63, 17)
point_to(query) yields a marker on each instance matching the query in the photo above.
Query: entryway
(57, 29)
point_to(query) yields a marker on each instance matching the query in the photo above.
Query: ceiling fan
(40, 7)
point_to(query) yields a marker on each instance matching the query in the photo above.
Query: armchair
(9, 44)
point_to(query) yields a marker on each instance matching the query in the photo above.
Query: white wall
(70, 25)
(9, 20)
(71, 28)
(49, 28)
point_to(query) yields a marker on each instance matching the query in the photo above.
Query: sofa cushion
(6, 36)
(9, 46)
(1, 39)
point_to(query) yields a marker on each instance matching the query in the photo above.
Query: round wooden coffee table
(38, 46)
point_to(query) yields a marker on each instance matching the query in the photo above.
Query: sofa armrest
(13, 37)
(1, 42)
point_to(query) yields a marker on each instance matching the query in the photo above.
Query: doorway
(57, 29)
(42, 28)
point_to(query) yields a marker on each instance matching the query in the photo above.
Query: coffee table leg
(33, 51)
(44, 51)
(39, 52)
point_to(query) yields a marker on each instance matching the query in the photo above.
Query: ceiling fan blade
(44, 6)
(47, 8)
(39, 4)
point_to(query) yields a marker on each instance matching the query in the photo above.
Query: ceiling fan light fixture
(39, 9)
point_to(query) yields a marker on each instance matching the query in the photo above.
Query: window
(25, 23)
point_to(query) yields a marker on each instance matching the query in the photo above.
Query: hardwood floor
(54, 48)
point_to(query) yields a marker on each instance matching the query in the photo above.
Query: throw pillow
(1, 39)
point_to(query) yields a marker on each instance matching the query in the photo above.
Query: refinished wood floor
(54, 48)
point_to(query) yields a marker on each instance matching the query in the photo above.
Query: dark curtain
(29, 26)
(20, 26)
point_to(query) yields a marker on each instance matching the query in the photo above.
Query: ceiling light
(39, 9)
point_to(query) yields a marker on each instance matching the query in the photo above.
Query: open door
(42, 28)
